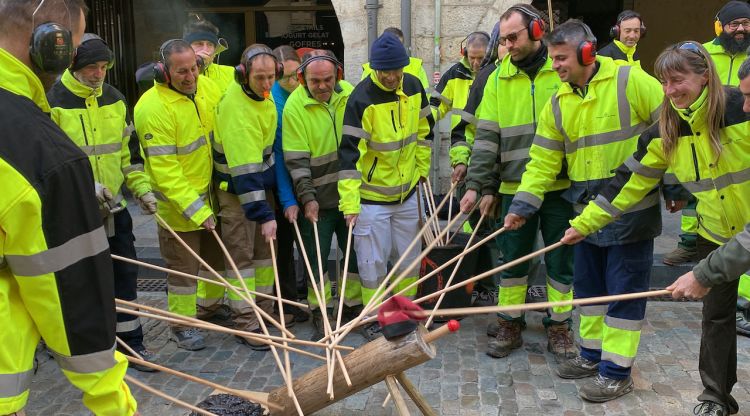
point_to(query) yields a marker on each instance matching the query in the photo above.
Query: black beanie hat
(388, 53)
(91, 51)
(733, 10)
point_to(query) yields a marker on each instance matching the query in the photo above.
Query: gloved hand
(103, 195)
(147, 203)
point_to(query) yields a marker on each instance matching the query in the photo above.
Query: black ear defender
(91, 36)
(51, 47)
(161, 69)
(301, 70)
(463, 48)
(537, 27)
(242, 70)
(614, 31)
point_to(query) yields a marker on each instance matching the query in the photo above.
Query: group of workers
(555, 136)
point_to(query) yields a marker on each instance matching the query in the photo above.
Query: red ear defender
(240, 74)
(537, 27)
(586, 53)
(161, 73)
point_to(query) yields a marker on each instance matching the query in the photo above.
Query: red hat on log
(399, 316)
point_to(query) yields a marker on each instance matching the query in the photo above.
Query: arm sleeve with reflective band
(637, 177)
(243, 147)
(462, 136)
(547, 154)
(726, 263)
(297, 155)
(165, 168)
(441, 97)
(356, 131)
(283, 180)
(424, 137)
(136, 179)
(486, 147)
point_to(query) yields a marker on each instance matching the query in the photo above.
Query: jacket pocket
(372, 170)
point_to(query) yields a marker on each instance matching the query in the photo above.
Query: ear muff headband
(536, 27)
(614, 31)
(242, 70)
(480, 32)
(308, 61)
(161, 69)
(51, 47)
(586, 50)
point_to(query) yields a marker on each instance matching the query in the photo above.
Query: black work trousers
(717, 363)
(126, 278)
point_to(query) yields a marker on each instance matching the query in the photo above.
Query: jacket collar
(399, 90)
(172, 95)
(21, 80)
(338, 94)
(76, 87)
(607, 69)
(627, 50)
(508, 70)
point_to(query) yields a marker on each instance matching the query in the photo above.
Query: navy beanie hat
(388, 53)
(91, 51)
(733, 10)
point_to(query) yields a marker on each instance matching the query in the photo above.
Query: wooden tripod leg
(415, 395)
(398, 399)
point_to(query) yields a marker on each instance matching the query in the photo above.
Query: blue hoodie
(283, 180)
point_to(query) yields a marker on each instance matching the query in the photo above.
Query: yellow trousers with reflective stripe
(99, 375)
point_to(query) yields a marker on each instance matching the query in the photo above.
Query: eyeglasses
(692, 47)
(287, 78)
(734, 25)
(513, 37)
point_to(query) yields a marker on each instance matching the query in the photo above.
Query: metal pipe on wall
(406, 24)
(372, 7)
(435, 165)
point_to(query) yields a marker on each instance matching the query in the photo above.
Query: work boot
(299, 314)
(508, 338)
(494, 327)
(188, 339)
(578, 367)
(560, 341)
(349, 313)
(252, 343)
(146, 355)
(603, 389)
(270, 307)
(680, 255)
(485, 298)
(743, 324)
(220, 315)
(318, 323)
(708, 408)
(371, 331)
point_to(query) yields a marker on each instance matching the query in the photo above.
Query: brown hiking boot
(560, 341)
(680, 255)
(508, 338)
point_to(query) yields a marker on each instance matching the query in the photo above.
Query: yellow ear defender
(718, 27)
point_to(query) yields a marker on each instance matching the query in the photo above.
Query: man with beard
(513, 98)
(96, 118)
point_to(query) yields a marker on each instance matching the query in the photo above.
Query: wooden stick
(437, 210)
(221, 278)
(545, 305)
(240, 393)
(450, 210)
(287, 366)
(136, 382)
(127, 347)
(551, 16)
(342, 287)
(453, 274)
(382, 291)
(492, 271)
(451, 326)
(323, 307)
(218, 328)
(203, 279)
(208, 327)
(398, 399)
(431, 210)
(416, 397)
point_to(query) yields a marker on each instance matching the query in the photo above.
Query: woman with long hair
(701, 142)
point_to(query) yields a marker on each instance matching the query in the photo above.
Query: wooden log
(366, 367)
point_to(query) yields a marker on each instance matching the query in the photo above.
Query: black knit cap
(91, 50)
(732, 11)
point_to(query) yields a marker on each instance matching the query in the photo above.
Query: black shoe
(578, 367)
(485, 298)
(708, 408)
(146, 355)
(318, 325)
(743, 324)
(188, 339)
(252, 343)
(221, 316)
(299, 314)
(602, 389)
(349, 313)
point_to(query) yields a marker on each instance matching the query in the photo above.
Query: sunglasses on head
(692, 47)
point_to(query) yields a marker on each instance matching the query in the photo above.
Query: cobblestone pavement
(461, 380)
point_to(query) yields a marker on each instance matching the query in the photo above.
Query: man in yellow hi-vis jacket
(174, 120)
(384, 153)
(56, 278)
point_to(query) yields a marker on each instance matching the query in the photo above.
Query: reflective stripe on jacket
(510, 111)
(721, 187)
(311, 138)
(590, 136)
(386, 143)
(98, 122)
(243, 150)
(726, 65)
(174, 131)
(451, 93)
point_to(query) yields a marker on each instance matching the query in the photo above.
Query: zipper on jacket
(83, 127)
(372, 170)
(695, 163)
(393, 121)
(731, 64)
(533, 104)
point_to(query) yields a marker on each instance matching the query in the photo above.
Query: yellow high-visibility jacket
(721, 185)
(98, 122)
(726, 64)
(386, 143)
(311, 137)
(221, 75)
(174, 131)
(414, 68)
(590, 134)
(56, 278)
(451, 93)
(243, 149)
(621, 53)
(510, 111)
